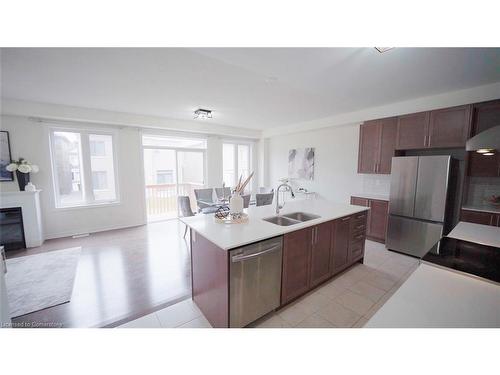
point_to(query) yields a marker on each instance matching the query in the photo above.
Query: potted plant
(23, 168)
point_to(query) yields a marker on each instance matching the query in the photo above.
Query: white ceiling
(256, 88)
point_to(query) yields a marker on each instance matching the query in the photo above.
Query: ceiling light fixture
(489, 153)
(202, 114)
(484, 150)
(383, 49)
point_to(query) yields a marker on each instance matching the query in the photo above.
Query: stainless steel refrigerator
(418, 203)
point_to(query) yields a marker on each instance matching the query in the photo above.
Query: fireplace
(12, 229)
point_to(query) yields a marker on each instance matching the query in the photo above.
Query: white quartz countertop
(482, 208)
(229, 236)
(482, 234)
(433, 297)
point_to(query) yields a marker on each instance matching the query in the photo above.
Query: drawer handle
(360, 226)
(359, 237)
(345, 218)
(360, 216)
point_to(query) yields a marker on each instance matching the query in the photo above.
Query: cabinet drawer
(356, 249)
(359, 218)
(356, 237)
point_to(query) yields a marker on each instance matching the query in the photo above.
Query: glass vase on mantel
(22, 179)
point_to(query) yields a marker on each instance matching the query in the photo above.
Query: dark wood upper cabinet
(379, 213)
(369, 144)
(389, 130)
(449, 127)
(377, 140)
(320, 253)
(340, 244)
(485, 116)
(412, 131)
(484, 165)
(296, 264)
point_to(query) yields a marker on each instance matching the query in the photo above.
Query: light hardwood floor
(122, 274)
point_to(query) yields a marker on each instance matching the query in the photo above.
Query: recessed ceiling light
(202, 114)
(383, 49)
(484, 150)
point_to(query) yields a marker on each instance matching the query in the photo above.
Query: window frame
(237, 143)
(85, 168)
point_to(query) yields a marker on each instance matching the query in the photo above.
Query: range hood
(486, 140)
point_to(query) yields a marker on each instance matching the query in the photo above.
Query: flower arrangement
(23, 166)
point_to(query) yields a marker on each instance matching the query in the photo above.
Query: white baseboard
(49, 236)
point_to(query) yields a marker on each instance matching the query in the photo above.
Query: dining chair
(184, 204)
(246, 200)
(265, 190)
(264, 199)
(204, 198)
(223, 192)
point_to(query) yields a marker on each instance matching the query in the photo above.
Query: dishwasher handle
(239, 258)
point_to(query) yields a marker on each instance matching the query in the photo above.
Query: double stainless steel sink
(291, 219)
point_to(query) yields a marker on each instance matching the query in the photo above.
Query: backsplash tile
(481, 188)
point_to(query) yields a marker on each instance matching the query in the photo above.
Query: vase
(236, 204)
(22, 179)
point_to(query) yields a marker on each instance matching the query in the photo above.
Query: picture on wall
(301, 163)
(5, 157)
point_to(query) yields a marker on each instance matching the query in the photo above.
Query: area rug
(35, 282)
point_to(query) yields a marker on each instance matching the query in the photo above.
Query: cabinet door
(378, 214)
(485, 115)
(412, 131)
(449, 127)
(369, 144)
(296, 264)
(389, 129)
(320, 254)
(340, 244)
(477, 217)
(483, 165)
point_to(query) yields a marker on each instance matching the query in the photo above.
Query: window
(236, 162)
(100, 180)
(83, 167)
(97, 148)
(164, 177)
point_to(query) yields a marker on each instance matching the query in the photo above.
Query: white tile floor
(349, 300)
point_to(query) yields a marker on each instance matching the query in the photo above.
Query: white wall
(29, 139)
(335, 168)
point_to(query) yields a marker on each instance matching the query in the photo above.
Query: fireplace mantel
(29, 201)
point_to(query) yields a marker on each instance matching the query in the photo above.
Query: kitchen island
(284, 262)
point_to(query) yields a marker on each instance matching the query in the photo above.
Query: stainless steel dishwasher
(254, 281)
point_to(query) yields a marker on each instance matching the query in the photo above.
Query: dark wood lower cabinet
(320, 254)
(480, 217)
(296, 264)
(210, 280)
(340, 244)
(376, 227)
(313, 255)
(379, 214)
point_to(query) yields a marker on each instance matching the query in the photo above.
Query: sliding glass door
(171, 172)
